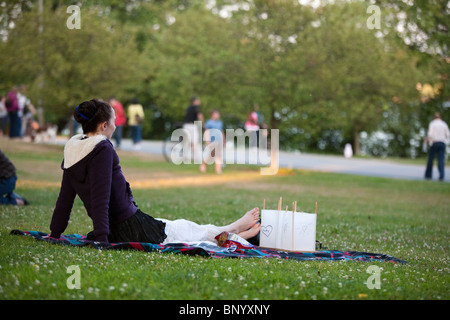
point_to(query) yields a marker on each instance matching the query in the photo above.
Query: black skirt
(138, 228)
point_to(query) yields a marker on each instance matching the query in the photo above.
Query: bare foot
(250, 233)
(249, 219)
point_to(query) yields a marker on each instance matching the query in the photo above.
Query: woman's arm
(64, 204)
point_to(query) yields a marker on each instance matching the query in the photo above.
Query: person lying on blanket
(91, 170)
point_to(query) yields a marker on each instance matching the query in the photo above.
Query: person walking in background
(261, 123)
(212, 128)
(121, 120)
(135, 119)
(27, 112)
(12, 105)
(251, 124)
(438, 137)
(8, 180)
(193, 113)
(260, 117)
(26, 109)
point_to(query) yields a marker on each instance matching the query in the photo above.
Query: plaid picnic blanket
(208, 249)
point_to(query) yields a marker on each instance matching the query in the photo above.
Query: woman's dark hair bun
(91, 113)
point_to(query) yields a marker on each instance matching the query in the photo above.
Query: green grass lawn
(406, 219)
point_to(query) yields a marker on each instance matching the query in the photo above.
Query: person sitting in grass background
(8, 180)
(91, 170)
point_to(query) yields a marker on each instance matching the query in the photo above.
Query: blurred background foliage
(316, 69)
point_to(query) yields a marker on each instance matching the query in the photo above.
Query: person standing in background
(438, 137)
(135, 119)
(121, 120)
(27, 113)
(260, 117)
(212, 128)
(193, 114)
(26, 109)
(251, 125)
(12, 105)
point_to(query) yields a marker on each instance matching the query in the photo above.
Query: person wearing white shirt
(438, 137)
(23, 102)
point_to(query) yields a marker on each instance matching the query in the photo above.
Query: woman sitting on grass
(91, 170)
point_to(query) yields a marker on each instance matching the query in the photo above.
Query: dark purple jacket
(98, 180)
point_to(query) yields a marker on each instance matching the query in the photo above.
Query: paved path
(327, 163)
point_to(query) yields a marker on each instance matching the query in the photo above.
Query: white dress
(182, 230)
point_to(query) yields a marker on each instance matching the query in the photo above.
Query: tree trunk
(357, 146)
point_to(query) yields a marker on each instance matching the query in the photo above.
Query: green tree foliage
(363, 73)
(195, 55)
(319, 74)
(66, 66)
(421, 28)
(321, 77)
